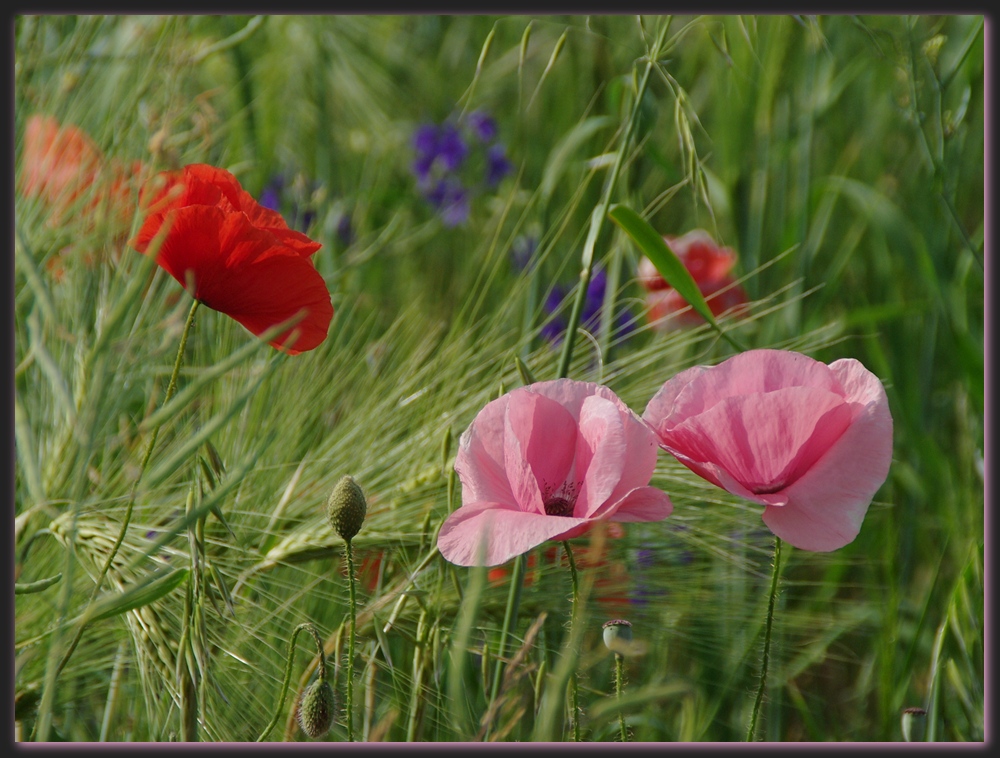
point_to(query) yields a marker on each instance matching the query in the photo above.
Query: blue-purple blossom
(650, 555)
(270, 196)
(482, 125)
(450, 198)
(590, 317)
(451, 168)
(276, 197)
(442, 143)
(344, 232)
(497, 165)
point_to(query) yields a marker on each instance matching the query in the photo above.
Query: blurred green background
(841, 157)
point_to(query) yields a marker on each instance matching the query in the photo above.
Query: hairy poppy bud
(346, 508)
(316, 708)
(617, 634)
(914, 723)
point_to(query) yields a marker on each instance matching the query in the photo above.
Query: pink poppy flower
(709, 266)
(545, 462)
(810, 442)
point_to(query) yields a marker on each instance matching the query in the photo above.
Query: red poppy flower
(61, 165)
(241, 258)
(58, 163)
(368, 568)
(709, 266)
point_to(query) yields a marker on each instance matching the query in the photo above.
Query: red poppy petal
(191, 245)
(267, 291)
(273, 222)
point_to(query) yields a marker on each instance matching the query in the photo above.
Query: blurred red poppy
(709, 266)
(234, 255)
(369, 565)
(611, 583)
(61, 164)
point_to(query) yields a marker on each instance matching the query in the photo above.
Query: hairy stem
(574, 683)
(619, 683)
(767, 640)
(350, 642)
(288, 673)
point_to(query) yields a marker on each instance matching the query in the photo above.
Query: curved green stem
(350, 642)
(288, 672)
(171, 387)
(574, 683)
(767, 640)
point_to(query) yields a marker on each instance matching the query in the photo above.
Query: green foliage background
(842, 157)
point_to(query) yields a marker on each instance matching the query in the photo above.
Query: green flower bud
(914, 724)
(617, 634)
(346, 508)
(316, 708)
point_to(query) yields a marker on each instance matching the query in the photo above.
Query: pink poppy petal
(539, 447)
(640, 456)
(754, 372)
(718, 476)
(640, 504)
(480, 459)
(488, 534)
(764, 441)
(827, 504)
(600, 452)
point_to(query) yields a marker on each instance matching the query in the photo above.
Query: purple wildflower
(451, 147)
(344, 231)
(554, 327)
(449, 196)
(425, 142)
(270, 197)
(497, 165)
(590, 317)
(443, 171)
(482, 125)
(275, 195)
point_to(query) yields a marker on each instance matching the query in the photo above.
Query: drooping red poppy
(242, 259)
(709, 265)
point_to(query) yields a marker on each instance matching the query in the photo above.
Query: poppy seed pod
(316, 709)
(346, 508)
(617, 632)
(914, 724)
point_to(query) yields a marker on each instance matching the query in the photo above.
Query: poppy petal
(539, 446)
(489, 534)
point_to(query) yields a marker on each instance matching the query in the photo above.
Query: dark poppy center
(768, 489)
(558, 506)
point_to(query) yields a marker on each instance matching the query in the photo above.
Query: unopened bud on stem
(346, 508)
(316, 709)
(914, 724)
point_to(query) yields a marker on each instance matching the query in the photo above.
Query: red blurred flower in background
(709, 266)
(242, 259)
(61, 165)
(612, 578)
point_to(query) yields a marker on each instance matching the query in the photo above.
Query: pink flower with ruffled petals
(545, 462)
(810, 442)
